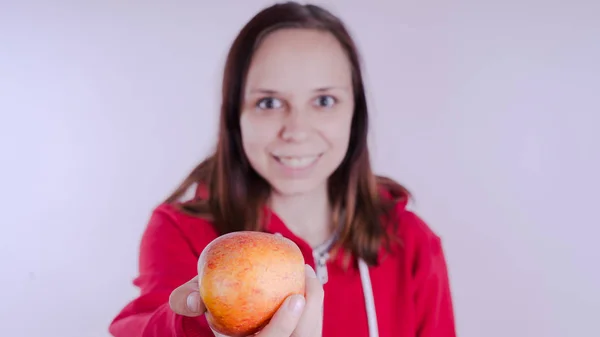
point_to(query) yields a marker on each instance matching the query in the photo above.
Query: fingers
(311, 321)
(285, 319)
(185, 300)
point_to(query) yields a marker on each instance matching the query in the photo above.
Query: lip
(285, 155)
(297, 166)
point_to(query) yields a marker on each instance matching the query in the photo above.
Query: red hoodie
(410, 289)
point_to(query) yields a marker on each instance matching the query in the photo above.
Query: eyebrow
(273, 92)
(263, 91)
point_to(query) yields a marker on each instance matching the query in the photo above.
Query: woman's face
(297, 109)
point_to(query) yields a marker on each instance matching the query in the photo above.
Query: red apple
(245, 277)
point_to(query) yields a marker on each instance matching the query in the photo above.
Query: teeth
(297, 162)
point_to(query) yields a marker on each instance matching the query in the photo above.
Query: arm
(166, 262)
(433, 299)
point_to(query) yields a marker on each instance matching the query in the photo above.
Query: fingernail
(192, 301)
(296, 304)
(310, 272)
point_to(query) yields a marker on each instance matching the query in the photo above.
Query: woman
(292, 158)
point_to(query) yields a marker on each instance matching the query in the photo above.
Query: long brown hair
(236, 194)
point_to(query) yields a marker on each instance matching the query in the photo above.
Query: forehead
(296, 59)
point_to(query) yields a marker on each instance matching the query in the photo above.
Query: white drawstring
(365, 279)
(321, 257)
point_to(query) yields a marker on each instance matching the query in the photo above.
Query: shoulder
(173, 215)
(170, 246)
(414, 234)
(418, 250)
(170, 224)
(413, 231)
(420, 260)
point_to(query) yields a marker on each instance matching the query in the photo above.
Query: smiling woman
(292, 159)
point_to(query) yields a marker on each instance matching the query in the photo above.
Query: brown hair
(236, 194)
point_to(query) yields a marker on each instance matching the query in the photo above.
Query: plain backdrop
(486, 110)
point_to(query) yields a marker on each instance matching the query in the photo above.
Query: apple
(244, 278)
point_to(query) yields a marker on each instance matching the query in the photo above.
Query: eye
(325, 101)
(268, 103)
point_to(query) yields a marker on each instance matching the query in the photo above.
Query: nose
(296, 127)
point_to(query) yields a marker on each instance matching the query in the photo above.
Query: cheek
(256, 136)
(337, 134)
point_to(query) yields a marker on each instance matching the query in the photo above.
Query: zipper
(321, 265)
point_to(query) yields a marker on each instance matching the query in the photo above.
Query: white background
(486, 110)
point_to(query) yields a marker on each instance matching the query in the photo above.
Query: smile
(297, 162)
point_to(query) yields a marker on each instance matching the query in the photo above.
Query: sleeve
(432, 292)
(166, 261)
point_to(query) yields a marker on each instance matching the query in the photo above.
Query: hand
(298, 316)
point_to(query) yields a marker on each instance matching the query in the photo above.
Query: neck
(307, 215)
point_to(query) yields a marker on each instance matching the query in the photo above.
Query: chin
(295, 188)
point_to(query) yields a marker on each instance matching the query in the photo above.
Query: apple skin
(245, 277)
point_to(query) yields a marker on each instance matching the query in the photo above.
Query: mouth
(297, 162)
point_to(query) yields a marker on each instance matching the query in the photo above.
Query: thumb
(285, 319)
(185, 299)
